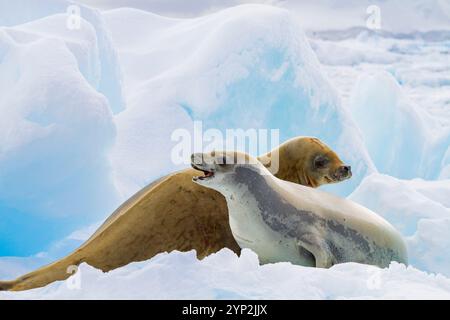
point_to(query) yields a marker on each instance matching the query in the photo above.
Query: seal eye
(320, 162)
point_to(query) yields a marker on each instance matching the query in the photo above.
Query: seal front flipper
(319, 249)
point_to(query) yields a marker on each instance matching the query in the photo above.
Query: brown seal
(174, 213)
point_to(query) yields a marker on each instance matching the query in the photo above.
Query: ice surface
(225, 276)
(87, 117)
(108, 77)
(419, 209)
(394, 130)
(401, 106)
(56, 131)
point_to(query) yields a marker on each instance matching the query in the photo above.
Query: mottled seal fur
(283, 221)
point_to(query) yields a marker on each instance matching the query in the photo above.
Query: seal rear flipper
(56, 271)
(6, 285)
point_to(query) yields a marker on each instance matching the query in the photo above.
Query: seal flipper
(41, 277)
(6, 285)
(319, 249)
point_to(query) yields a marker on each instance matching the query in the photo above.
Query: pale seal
(283, 221)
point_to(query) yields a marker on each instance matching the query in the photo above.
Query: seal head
(307, 161)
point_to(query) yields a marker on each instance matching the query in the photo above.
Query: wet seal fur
(173, 213)
(282, 221)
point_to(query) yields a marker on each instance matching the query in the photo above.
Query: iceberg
(403, 140)
(56, 131)
(244, 67)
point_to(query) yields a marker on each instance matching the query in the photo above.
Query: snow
(225, 276)
(419, 209)
(29, 13)
(87, 118)
(52, 104)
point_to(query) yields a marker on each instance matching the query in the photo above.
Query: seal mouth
(206, 174)
(337, 178)
(342, 174)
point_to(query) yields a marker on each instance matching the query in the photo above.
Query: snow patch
(419, 209)
(225, 276)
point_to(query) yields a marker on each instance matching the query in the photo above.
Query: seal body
(173, 213)
(282, 221)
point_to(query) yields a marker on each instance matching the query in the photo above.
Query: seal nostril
(345, 171)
